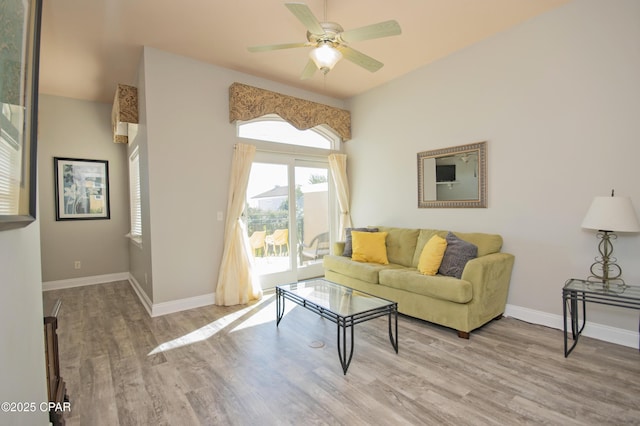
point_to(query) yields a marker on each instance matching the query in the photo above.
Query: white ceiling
(88, 46)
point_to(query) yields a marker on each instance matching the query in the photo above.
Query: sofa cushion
(401, 244)
(423, 237)
(432, 255)
(348, 246)
(486, 243)
(369, 247)
(438, 286)
(363, 271)
(456, 256)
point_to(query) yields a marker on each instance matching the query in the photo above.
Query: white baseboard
(154, 310)
(606, 333)
(144, 299)
(164, 308)
(82, 281)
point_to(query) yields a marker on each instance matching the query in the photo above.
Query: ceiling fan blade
(359, 58)
(308, 70)
(306, 16)
(269, 47)
(381, 29)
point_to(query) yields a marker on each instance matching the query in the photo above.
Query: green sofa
(464, 304)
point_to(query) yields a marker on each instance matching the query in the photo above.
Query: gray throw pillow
(348, 248)
(456, 256)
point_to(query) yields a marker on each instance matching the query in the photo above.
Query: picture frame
(20, 23)
(81, 189)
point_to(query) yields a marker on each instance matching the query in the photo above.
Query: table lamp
(608, 215)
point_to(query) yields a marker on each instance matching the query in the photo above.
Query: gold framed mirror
(453, 177)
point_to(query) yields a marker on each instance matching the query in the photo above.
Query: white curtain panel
(338, 166)
(237, 281)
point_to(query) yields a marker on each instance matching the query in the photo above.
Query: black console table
(578, 292)
(56, 388)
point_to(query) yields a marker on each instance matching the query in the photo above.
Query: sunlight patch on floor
(209, 330)
(265, 315)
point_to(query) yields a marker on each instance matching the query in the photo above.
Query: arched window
(273, 128)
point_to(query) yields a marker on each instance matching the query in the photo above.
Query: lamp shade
(325, 57)
(611, 214)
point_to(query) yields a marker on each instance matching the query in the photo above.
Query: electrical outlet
(77, 264)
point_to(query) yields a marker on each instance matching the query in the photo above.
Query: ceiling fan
(331, 42)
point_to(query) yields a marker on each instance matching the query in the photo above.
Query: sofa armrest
(490, 276)
(338, 248)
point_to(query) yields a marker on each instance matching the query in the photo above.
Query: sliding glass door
(288, 217)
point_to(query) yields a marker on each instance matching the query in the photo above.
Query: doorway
(288, 217)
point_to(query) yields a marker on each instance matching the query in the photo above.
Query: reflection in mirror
(10, 158)
(453, 177)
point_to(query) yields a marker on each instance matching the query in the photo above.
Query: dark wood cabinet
(56, 388)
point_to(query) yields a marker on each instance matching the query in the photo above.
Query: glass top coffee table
(341, 305)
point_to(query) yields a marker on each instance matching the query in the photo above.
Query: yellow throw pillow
(369, 247)
(431, 256)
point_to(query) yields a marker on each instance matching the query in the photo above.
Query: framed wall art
(82, 189)
(19, 60)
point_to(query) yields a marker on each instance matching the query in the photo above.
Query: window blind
(9, 181)
(134, 194)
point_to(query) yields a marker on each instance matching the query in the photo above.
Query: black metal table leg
(573, 309)
(279, 306)
(568, 300)
(394, 340)
(574, 315)
(564, 322)
(342, 344)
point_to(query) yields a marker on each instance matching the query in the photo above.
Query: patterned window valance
(124, 112)
(247, 103)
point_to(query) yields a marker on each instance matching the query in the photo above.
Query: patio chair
(279, 238)
(257, 241)
(317, 248)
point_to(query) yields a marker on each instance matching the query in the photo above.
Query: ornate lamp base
(605, 270)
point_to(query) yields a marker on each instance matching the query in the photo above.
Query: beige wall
(21, 330)
(316, 221)
(80, 129)
(558, 100)
(140, 255)
(189, 145)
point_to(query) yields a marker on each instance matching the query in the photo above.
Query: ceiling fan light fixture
(325, 57)
(330, 42)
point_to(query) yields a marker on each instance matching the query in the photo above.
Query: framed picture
(82, 189)
(19, 59)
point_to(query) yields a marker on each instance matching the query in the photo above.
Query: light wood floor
(232, 366)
